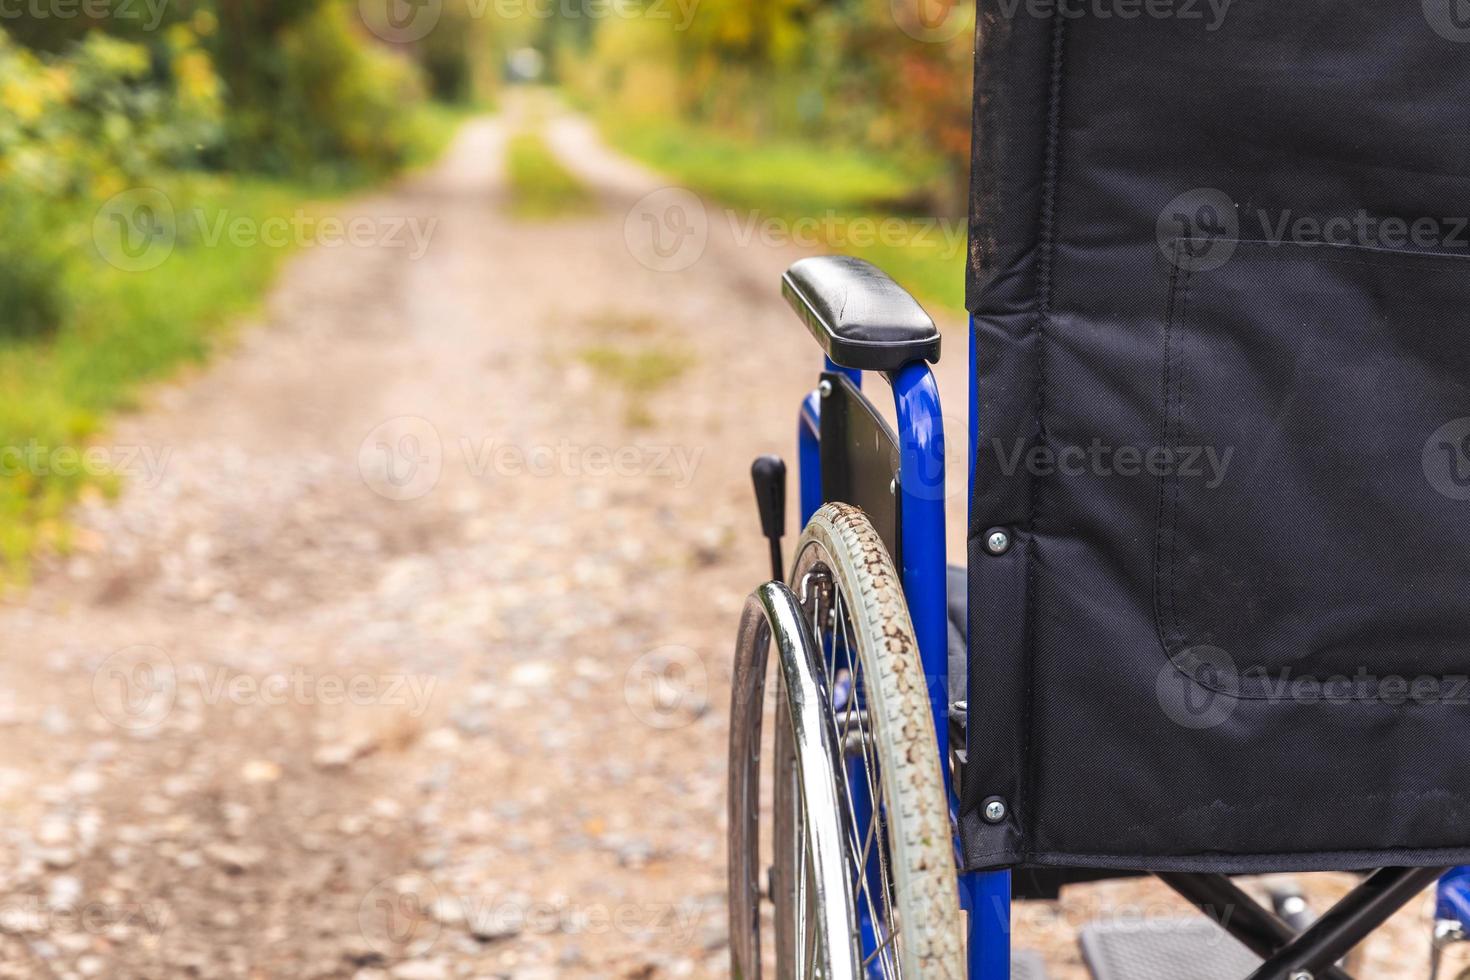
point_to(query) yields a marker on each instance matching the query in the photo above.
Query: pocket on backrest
(1314, 512)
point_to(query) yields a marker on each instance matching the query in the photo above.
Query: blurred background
(378, 385)
(846, 111)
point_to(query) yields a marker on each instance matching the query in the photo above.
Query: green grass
(858, 203)
(640, 372)
(122, 329)
(435, 126)
(541, 188)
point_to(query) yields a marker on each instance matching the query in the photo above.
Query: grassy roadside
(845, 201)
(132, 316)
(540, 187)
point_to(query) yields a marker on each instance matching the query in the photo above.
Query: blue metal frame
(1452, 898)
(985, 896)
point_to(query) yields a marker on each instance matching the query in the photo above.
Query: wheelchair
(1148, 666)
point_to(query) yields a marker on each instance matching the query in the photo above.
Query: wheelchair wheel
(897, 861)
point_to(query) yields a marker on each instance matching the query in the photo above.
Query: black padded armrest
(863, 319)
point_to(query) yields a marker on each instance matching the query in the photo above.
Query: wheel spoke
(886, 946)
(890, 933)
(865, 843)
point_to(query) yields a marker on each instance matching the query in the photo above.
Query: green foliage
(192, 112)
(836, 72)
(447, 55)
(32, 266)
(309, 95)
(772, 174)
(856, 202)
(540, 186)
(117, 329)
(104, 113)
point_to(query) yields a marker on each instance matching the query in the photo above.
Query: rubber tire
(920, 841)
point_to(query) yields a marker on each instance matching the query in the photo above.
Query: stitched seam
(1237, 859)
(1161, 520)
(1166, 579)
(1046, 252)
(1451, 262)
(1173, 476)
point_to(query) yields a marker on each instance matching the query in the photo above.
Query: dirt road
(404, 652)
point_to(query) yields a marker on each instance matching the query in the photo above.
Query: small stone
(84, 782)
(715, 934)
(490, 929)
(536, 673)
(435, 969)
(448, 911)
(340, 755)
(431, 858)
(472, 722)
(258, 771)
(91, 966)
(63, 891)
(58, 857)
(635, 854)
(235, 858)
(21, 921)
(53, 831)
(385, 808)
(442, 740)
(55, 721)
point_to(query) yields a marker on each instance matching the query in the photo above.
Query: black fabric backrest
(1220, 275)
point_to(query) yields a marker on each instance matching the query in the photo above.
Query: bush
(316, 95)
(32, 269)
(105, 113)
(447, 59)
(831, 72)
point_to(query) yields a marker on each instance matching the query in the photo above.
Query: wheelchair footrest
(1165, 949)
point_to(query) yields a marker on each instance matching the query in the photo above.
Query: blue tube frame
(985, 896)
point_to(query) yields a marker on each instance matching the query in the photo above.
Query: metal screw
(1301, 975)
(893, 487)
(825, 388)
(995, 812)
(997, 542)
